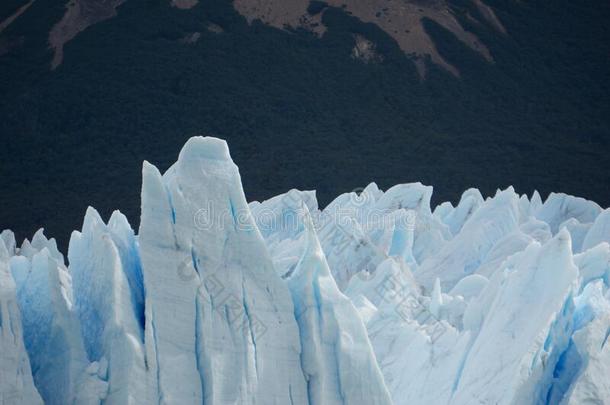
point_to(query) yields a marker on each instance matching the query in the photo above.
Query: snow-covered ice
(379, 298)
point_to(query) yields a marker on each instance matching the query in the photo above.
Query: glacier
(379, 298)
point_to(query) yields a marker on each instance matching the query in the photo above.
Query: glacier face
(378, 298)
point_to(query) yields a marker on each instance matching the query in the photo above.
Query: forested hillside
(298, 109)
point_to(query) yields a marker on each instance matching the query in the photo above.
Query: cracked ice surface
(379, 298)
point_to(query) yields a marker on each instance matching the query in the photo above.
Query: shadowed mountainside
(301, 109)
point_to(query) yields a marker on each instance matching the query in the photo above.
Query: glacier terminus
(377, 299)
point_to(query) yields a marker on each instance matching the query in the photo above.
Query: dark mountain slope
(299, 110)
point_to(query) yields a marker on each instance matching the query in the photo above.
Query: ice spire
(220, 325)
(16, 383)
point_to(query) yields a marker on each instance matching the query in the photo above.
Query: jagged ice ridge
(376, 299)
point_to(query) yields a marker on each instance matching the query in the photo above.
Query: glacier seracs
(16, 382)
(103, 260)
(378, 298)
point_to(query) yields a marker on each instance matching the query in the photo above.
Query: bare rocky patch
(10, 19)
(79, 15)
(401, 19)
(191, 38)
(365, 50)
(490, 16)
(184, 4)
(8, 43)
(215, 28)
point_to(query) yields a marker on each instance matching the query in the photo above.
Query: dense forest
(298, 110)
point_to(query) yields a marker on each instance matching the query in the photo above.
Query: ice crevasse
(379, 298)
